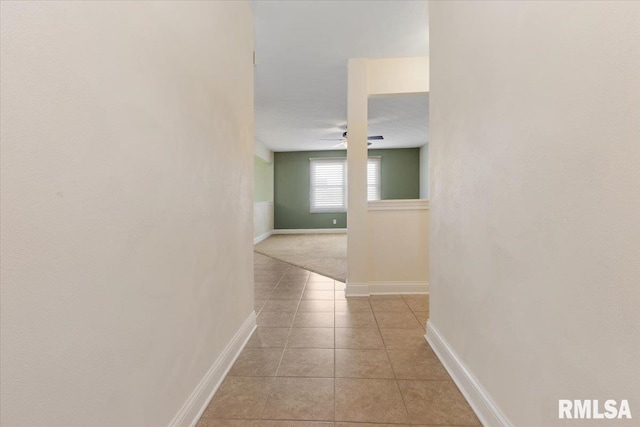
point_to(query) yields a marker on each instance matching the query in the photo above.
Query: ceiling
(302, 48)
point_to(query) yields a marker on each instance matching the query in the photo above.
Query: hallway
(317, 356)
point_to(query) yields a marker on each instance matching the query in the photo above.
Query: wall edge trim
(195, 405)
(484, 407)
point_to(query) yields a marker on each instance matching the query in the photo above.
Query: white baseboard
(195, 405)
(386, 288)
(311, 231)
(356, 290)
(392, 288)
(261, 237)
(486, 410)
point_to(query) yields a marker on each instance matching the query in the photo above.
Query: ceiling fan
(343, 140)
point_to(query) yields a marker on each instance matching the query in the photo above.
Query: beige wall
(398, 246)
(127, 132)
(535, 186)
(386, 251)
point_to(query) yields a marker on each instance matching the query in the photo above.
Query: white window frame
(374, 187)
(313, 162)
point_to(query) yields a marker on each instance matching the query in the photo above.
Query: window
(328, 185)
(374, 184)
(328, 191)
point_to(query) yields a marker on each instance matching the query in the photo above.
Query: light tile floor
(319, 359)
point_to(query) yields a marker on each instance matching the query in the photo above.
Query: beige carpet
(324, 254)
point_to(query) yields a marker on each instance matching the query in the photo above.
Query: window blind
(328, 185)
(328, 192)
(374, 183)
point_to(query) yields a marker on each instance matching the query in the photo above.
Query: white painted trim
(399, 205)
(393, 288)
(264, 203)
(485, 408)
(261, 237)
(195, 405)
(386, 288)
(311, 231)
(356, 290)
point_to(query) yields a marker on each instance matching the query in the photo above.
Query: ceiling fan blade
(373, 137)
(339, 144)
(330, 139)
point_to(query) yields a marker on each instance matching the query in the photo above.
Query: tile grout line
(270, 390)
(272, 290)
(285, 345)
(295, 313)
(424, 327)
(260, 311)
(395, 377)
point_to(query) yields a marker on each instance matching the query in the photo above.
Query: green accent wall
(399, 173)
(262, 180)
